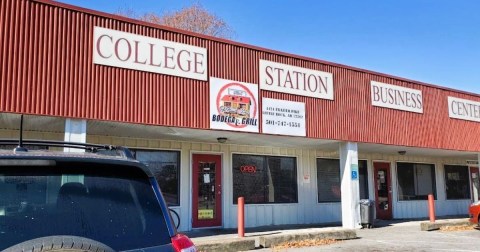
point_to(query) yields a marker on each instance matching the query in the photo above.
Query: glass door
(207, 190)
(475, 183)
(383, 190)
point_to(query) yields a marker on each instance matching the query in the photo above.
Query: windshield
(112, 205)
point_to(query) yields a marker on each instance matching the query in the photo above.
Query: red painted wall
(47, 69)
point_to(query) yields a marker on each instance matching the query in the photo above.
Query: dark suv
(60, 201)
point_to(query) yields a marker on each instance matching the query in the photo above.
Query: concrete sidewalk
(400, 235)
(267, 237)
(228, 240)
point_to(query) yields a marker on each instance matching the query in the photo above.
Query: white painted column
(350, 185)
(75, 131)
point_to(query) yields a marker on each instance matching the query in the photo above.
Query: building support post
(75, 131)
(350, 185)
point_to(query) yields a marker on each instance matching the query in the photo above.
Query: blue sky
(432, 41)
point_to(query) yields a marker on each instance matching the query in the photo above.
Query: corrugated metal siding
(47, 68)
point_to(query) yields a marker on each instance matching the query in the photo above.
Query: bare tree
(194, 18)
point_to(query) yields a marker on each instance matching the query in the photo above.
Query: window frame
(435, 172)
(266, 155)
(179, 159)
(367, 162)
(469, 181)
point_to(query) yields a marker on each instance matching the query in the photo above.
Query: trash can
(367, 213)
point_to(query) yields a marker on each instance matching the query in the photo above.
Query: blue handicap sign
(354, 175)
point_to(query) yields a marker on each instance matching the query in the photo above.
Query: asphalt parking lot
(403, 236)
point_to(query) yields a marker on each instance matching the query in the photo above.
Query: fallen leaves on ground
(304, 243)
(456, 228)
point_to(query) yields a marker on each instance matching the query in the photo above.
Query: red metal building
(57, 65)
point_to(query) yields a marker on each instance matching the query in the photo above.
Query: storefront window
(457, 182)
(329, 180)
(165, 166)
(363, 178)
(415, 181)
(264, 179)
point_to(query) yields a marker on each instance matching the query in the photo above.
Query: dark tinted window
(113, 205)
(264, 179)
(415, 181)
(363, 178)
(329, 179)
(165, 165)
(457, 182)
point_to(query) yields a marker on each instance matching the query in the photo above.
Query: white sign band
(283, 117)
(295, 80)
(396, 97)
(131, 51)
(463, 109)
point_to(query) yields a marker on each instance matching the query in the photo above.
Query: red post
(241, 216)
(431, 208)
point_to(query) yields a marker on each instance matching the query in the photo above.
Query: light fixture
(222, 139)
(402, 152)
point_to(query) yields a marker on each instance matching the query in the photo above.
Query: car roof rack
(94, 148)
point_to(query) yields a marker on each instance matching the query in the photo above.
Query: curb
(273, 240)
(235, 244)
(428, 226)
(267, 241)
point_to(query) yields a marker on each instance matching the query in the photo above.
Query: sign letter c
(98, 45)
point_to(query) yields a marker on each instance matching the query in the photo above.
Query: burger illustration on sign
(234, 105)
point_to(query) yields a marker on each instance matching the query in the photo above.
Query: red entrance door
(474, 177)
(207, 190)
(383, 190)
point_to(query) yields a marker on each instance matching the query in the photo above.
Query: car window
(112, 205)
